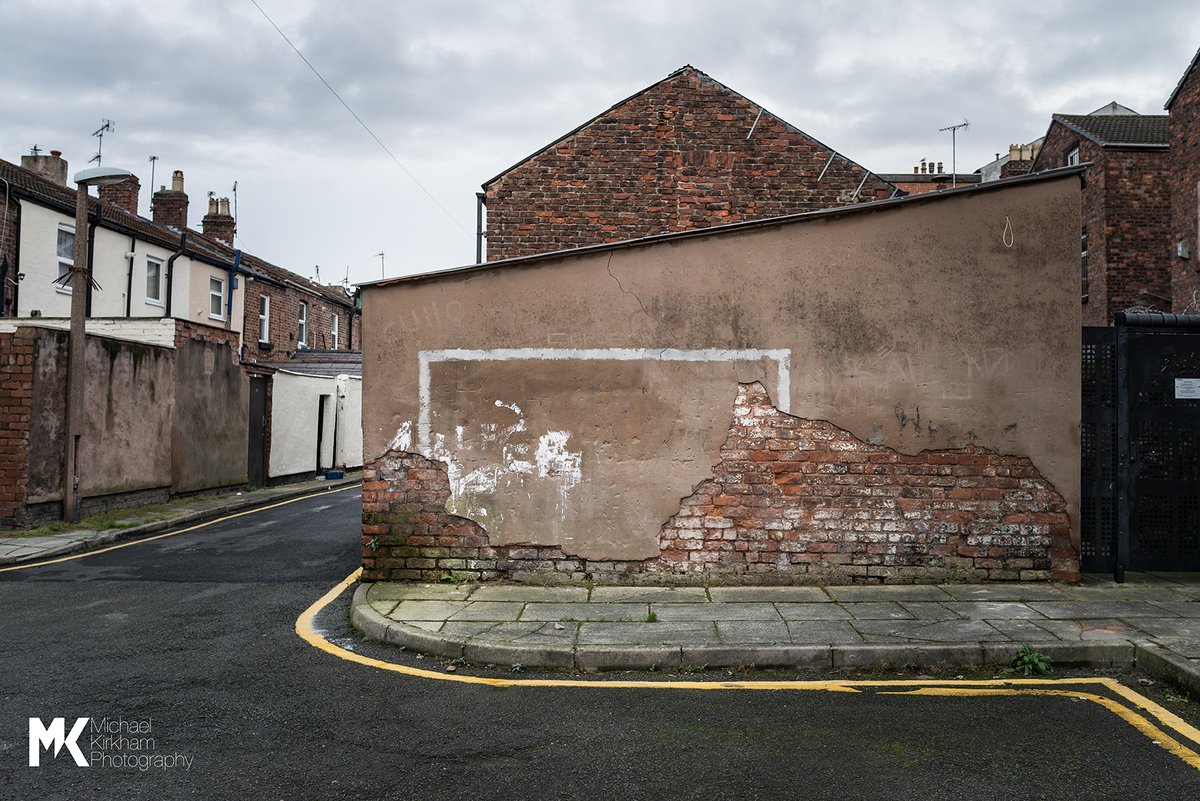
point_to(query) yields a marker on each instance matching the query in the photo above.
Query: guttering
(233, 273)
(171, 269)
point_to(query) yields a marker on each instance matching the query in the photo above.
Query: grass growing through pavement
(105, 521)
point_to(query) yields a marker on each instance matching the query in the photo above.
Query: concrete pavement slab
(646, 633)
(929, 610)
(490, 610)
(533, 632)
(879, 610)
(948, 631)
(461, 629)
(585, 612)
(1184, 608)
(770, 594)
(888, 592)
(1096, 609)
(394, 591)
(1180, 627)
(1005, 592)
(821, 632)
(716, 611)
(988, 610)
(383, 607)
(1022, 630)
(1092, 629)
(645, 595)
(753, 631)
(520, 592)
(426, 610)
(806, 611)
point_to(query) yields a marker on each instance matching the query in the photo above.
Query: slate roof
(1119, 130)
(320, 362)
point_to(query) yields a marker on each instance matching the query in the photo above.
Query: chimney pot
(56, 153)
(177, 181)
(223, 206)
(940, 167)
(212, 205)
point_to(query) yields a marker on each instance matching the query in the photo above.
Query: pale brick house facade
(686, 152)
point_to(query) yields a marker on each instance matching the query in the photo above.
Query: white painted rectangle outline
(781, 356)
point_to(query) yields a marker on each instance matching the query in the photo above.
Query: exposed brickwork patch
(803, 496)
(791, 501)
(16, 392)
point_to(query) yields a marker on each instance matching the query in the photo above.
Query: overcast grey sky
(461, 89)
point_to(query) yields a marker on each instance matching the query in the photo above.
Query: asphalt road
(195, 633)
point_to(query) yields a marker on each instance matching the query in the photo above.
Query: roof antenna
(234, 190)
(153, 164)
(954, 129)
(107, 126)
(35, 150)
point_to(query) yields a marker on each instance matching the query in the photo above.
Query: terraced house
(178, 399)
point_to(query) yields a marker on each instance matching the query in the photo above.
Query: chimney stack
(53, 167)
(218, 224)
(171, 205)
(124, 194)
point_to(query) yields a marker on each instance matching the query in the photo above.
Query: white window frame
(218, 295)
(302, 327)
(264, 319)
(1073, 156)
(151, 300)
(65, 265)
(334, 332)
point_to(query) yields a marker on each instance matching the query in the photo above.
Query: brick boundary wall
(1184, 175)
(16, 394)
(791, 501)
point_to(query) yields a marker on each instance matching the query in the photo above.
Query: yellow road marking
(98, 551)
(1156, 735)
(950, 687)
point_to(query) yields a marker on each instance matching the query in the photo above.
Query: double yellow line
(1072, 689)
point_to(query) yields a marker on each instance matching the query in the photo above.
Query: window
(1073, 157)
(216, 298)
(303, 324)
(264, 318)
(66, 257)
(153, 281)
(334, 332)
(1083, 265)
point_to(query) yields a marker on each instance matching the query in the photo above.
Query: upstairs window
(334, 332)
(66, 257)
(303, 325)
(264, 318)
(1073, 157)
(216, 298)
(1083, 265)
(153, 281)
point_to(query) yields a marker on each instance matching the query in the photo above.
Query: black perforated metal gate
(1140, 430)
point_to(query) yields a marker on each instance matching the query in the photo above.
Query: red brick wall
(792, 500)
(1185, 183)
(16, 391)
(673, 158)
(1127, 213)
(1060, 140)
(284, 321)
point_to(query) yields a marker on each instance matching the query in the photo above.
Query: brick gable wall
(1185, 183)
(1126, 211)
(673, 158)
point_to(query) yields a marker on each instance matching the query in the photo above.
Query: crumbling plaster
(928, 325)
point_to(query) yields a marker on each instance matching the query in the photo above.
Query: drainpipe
(171, 270)
(479, 232)
(129, 278)
(91, 260)
(233, 272)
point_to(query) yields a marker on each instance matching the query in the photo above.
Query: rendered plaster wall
(573, 402)
(130, 401)
(295, 411)
(349, 422)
